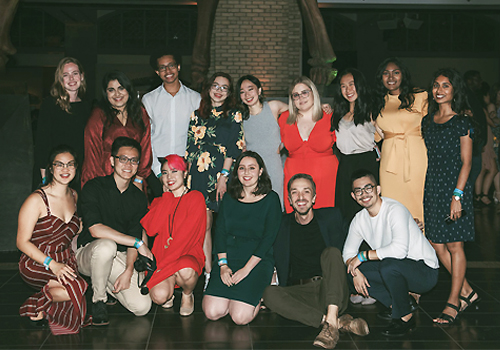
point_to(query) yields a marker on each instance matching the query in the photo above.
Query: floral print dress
(209, 142)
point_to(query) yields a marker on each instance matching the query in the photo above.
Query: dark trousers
(307, 303)
(391, 279)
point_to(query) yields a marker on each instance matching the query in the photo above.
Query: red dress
(53, 237)
(313, 156)
(179, 226)
(98, 146)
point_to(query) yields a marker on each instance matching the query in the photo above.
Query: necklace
(171, 220)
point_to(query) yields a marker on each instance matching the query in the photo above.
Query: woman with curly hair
(449, 215)
(355, 132)
(119, 114)
(248, 222)
(63, 116)
(398, 112)
(215, 139)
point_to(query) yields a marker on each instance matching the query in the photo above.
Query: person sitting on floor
(178, 221)
(313, 284)
(112, 207)
(401, 259)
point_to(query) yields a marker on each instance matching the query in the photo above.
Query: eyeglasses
(60, 165)
(222, 88)
(125, 160)
(169, 66)
(304, 94)
(367, 189)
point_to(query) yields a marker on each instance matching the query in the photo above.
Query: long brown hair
(206, 100)
(59, 92)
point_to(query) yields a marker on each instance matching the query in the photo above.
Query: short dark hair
(264, 185)
(358, 174)
(123, 141)
(53, 154)
(301, 176)
(159, 53)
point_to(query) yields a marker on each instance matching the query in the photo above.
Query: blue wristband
(46, 262)
(138, 243)
(139, 181)
(222, 261)
(224, 172)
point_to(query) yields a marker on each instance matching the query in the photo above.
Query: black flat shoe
(398, 328)
(469, 302)
(386, 315)
(37, 324)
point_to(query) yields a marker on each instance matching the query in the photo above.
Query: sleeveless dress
(313, 156)
(53, 237)
(262, 135)
(404, 157)
(443, 149)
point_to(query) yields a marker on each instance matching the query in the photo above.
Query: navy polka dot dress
(444, 164)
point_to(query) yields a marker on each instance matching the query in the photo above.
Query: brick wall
(258, 37)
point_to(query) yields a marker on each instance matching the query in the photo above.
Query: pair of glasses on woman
(359, 191)
(304, 94)
(125, 160)
(222, 88)
(60, 165)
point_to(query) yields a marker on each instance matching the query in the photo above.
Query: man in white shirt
(401, 259)
(169, 106)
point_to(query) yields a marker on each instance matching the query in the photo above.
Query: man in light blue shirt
(169, 106)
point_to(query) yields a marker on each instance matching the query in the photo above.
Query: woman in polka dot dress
(448, 211)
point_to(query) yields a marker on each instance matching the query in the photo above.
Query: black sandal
(447, 317)
(468, 300)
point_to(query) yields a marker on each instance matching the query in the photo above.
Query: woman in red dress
(120, 114)
(305, 133)
(178, 220)
(47, 225)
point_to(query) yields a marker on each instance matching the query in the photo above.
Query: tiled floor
(165, 329)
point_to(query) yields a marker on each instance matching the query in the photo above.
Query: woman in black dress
(63, 115)
(449, 216)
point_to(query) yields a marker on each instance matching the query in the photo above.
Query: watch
(457, 198)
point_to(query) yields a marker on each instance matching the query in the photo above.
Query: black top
(333, 228)
(102, 203)
(56, 127)
(306, 246)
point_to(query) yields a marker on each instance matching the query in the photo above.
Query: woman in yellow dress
(399, 109)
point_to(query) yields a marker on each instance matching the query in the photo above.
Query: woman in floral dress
(215, 140)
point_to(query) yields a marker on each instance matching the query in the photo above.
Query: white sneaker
(368, 301)
(357, 299)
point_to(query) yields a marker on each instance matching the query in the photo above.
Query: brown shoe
(328, 337)
(357, 326)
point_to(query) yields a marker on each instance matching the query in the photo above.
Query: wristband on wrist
(159, 175)
(46, 262)
(222, 261)
(457, 190)
(361, 258)
(365, 254)
(139, 181)
(44, 180)
(224, 172)
(138, 243)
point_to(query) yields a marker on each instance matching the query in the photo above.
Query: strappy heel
(468, 300)
(447, 317)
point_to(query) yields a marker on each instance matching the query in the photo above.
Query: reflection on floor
(165, 329)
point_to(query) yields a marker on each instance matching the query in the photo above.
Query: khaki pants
(101, 261)
(307, 303)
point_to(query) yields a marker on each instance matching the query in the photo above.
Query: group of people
(189, 149)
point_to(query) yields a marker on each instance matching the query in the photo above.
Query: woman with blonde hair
(305, 133)
(63, 115)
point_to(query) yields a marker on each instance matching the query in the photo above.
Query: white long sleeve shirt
(169, 121)
(392, 233)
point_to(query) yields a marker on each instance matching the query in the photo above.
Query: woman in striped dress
(47, 225)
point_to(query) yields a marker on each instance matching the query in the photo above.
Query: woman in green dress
(247, 224)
